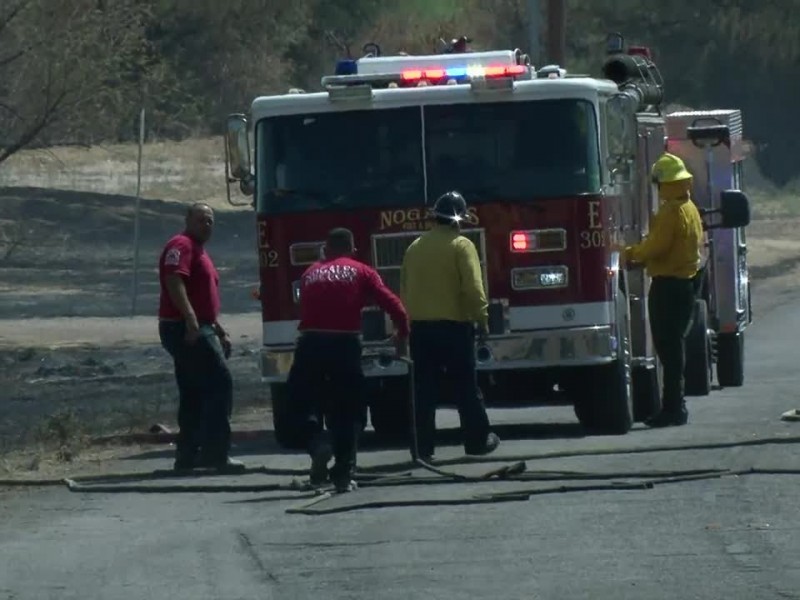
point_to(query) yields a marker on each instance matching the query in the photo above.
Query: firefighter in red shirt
(190, 331)
(326, 378)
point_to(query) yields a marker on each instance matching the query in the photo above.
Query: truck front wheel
(390, 411)
(604, 398)
(287, 422)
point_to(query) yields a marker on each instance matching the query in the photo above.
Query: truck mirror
(735, 209)
(237, 144)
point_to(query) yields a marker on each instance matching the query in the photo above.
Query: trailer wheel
(697, 373)
(288, 425)
(730, 359)
(389, 410)
(604, 399)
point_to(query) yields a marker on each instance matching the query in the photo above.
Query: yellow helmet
(669, 168)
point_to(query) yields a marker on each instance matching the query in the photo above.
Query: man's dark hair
(340, 240)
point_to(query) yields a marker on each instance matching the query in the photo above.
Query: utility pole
(535, 31)
(556, 31)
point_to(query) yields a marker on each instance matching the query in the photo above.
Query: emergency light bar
(397, 71)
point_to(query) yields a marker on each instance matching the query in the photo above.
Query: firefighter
(326, 378)
(191, 333)
(442, 288)
(671, 253)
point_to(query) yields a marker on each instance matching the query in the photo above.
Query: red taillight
(539, 240)
(520, 241)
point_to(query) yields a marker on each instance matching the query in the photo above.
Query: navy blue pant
(205, 391)
(444, 365)
(326, 383)
(671, 305)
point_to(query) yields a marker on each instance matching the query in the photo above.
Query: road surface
(731, 537)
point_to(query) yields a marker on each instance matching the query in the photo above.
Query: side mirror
(735, 209)
(237, 157)
(237, 144)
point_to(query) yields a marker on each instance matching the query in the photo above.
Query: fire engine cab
(555, 169)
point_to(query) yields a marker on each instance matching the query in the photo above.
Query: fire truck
(555, 169)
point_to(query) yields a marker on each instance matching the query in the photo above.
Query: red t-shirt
(333, 292)
(189, 259)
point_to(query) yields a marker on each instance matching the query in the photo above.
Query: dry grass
(189, 171)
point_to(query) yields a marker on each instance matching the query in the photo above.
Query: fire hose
(515, 469)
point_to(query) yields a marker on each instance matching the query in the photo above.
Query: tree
(63, 67)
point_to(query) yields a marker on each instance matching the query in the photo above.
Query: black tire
(730, 359)
(605, 406)
(697, 373)
(646, 393)
(290, 432)
(604, 403)
(390, 411)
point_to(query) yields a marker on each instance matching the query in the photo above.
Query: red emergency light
(460, 72)
(538, 240)
(640, 51)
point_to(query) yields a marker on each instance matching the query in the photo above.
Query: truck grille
(388, 250)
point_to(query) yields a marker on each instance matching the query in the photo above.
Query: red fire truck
(555, 168)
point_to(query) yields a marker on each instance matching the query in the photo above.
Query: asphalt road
(731, 537)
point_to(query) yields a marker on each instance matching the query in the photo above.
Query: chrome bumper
(548, 348)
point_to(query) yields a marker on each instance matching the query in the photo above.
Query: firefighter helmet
(451, 206)
(669, 168)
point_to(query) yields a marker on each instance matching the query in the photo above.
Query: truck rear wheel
(646, 392)
(697, 373)
(604, 399)
(389, 410)
(288, 423)
(730, 359)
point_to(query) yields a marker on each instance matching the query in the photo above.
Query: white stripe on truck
(555, 316)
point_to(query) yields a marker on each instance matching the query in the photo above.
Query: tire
(697, 373)
(290, 432)
(646, 393)
(389, 410)
(730, 359)
(604, 403)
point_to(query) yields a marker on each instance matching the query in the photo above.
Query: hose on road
(514, 472)
(401, 474)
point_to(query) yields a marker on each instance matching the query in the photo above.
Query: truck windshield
(341, 160)
(512, 150)
(489, 151)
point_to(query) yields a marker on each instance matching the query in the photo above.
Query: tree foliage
(64, 68)
(78, 71)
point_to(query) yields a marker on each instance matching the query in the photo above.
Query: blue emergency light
(346, 67)
(348, 73)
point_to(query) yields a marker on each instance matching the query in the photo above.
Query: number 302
(268, 258)
(593, 239)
